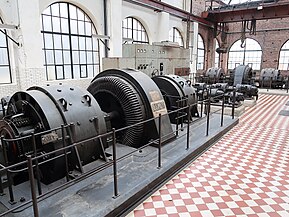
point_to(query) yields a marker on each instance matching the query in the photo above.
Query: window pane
(75, 56)
(56, 24)
(48, 40)
(47, 26)
(72, 12)
(67, 72)
(3, 57)
(81, 28)
(63, 10)
(66, 57)
(74, 42)
(58, 57)
(5, 75)
(73, 25)
(49, 57)
(57, 41)
(81, 43)
(64, 25)
(59, 72)
(55, 10)
(65, 42)
(83, 71)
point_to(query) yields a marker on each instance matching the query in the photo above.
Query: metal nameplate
(50, 137)
(159, 107)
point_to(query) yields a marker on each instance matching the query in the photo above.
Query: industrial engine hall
(139, 108)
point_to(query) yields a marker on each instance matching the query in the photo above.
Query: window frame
(6, 47)
(77, 29)
(132, 30)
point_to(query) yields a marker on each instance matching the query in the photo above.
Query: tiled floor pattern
(245, 174)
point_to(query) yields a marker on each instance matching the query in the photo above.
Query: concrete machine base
(138, 176)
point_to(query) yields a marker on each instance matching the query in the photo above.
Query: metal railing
(34, 159)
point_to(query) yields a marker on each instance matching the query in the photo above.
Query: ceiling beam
(261, 12)
(159, 6)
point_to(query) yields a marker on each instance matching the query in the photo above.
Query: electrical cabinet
(153, 59)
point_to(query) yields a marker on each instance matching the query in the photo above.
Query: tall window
(70, 50)
(201, 53)
(5, 71)
(284, 57)
(250, 55)
(133, 32)
(175, 36)
(217, 55)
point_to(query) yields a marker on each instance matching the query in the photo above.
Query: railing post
(202, 103)
(160, 142)
(208, 113)
(287, 84)
(223, 107)
(36, 164)
(233, 103)
(32, 186)
(114, 164)
(65, 151)
(188, 127)
(11, 195)
(177, 121)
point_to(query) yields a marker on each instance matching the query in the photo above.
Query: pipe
(105, 27)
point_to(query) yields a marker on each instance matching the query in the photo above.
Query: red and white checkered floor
(246, 173)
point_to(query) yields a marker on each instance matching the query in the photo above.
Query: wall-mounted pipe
(105, 27)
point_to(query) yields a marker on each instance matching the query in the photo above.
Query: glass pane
(64, 25)
(89, 57)
(81, 43)
(4, 75)
(95, 58)
(47, 11)
(81, 28)
(90, 71)
(65, 42)
(67, 72)
(75, 57)
(73, 25)
(59, 72)
(83, 72)
(66, 57)
(74, 42)
(63, 10)
(80, 15)
(82, 57)
(72, 12)
(50, 73)
(58, 57)
(47, 26)
(56, 24)
(88, 44)
(55, 10)
(76, 71)
(3, 56)
(57, 41)
(48, 41)
(49, 57)
(87, 28)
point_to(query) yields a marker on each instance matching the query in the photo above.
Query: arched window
(201, 53)
(284, 57)
(133, 32)
(71, 52)
(175, 36)
(5, 71)
(217, 55)
(250, 55)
